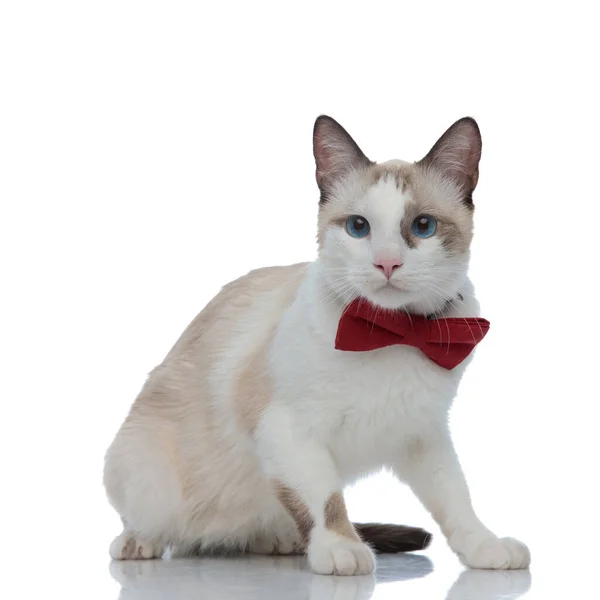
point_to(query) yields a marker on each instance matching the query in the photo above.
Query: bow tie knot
(446, 341)
(417, 332)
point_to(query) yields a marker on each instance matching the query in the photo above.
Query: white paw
(497, 553)
(340, 557)
(128, 547)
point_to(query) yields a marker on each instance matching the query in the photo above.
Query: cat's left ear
(336, 154)
(456, 156)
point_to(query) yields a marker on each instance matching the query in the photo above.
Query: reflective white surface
(287, 578)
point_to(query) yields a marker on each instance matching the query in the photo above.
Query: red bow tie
(447, 342)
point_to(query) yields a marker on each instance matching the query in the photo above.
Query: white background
(150, 152)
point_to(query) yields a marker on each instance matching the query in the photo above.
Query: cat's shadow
(246, 578)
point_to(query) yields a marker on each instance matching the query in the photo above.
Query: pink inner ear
(319, 177)
(456, 154)
(335, 152)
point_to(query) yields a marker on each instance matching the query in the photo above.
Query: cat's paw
(340, 556)
(128, 547)
(282, 542)
(497, 553)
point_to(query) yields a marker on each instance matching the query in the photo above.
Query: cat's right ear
(336, 154)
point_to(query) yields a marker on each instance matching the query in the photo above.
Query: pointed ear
(456, 156)
(336, 154)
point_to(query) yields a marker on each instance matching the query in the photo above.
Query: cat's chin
(390, 298)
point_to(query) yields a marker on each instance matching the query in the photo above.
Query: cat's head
(396, 233)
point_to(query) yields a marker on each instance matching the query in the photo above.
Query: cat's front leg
(304, 479)
(332, 544)
(432, 470)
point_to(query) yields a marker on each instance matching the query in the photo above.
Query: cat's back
(227, 338)
(249, 303)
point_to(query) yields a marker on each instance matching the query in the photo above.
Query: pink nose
(387, 266)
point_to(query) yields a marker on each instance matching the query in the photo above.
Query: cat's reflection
(286, 577)
(490, 585)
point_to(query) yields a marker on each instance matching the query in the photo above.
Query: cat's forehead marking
(387, 196)
(399, 171)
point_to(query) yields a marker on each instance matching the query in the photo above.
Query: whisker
(465, 320)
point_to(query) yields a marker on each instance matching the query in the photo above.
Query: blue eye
(424, 226)
(357, 227)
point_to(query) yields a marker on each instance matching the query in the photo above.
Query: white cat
(246, 435)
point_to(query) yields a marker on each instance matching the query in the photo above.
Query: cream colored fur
(254, 393)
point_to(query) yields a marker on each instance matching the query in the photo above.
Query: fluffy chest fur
(366, 406)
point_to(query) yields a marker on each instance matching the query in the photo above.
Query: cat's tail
(389, 539)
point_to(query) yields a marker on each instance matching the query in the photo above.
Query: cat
(244, 438)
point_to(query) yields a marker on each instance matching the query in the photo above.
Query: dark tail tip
(389, 539)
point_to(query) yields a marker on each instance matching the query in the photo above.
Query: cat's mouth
(391, 285)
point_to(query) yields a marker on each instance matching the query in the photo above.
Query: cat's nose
(387, 266)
